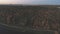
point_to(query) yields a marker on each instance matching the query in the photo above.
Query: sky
(31, 2)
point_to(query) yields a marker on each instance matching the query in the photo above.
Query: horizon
(30, 2)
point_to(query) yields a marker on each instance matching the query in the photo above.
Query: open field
(42, 17)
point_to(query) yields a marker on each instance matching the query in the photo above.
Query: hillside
(35, 17)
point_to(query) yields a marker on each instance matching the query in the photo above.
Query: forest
(35, 17)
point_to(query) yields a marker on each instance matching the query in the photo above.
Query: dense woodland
(36, 17)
